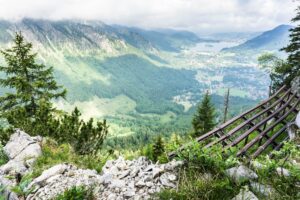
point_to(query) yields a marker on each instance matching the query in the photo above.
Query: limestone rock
(265, 190)
(136, 179)
(241, 174)
(245, 194)
(22, 151)
(282, 172)
(297, 121)
(295, 85)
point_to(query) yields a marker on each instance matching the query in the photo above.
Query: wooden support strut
(242, 125)
(228, 123)
(266, 109)
(269, 141)
(261, 135)
(260, 130)
(241, 137)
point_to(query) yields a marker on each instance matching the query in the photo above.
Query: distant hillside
(95, 60)
(274, 39)
(164, 39)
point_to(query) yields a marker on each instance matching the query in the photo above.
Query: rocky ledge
(119, 179)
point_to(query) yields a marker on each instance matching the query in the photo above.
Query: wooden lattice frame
(255, 130)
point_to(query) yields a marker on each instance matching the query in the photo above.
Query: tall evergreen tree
(31, 83)
(158, 148)
(287, 72)
(204, 119)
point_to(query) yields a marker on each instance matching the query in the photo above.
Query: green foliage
(286, 187)
(204, 119)
(77, 193)
(21, 189)
(203, 177)
(31, 82)
(3, 156)
(213, 159)
(29, 106)
(281, 71)
(194, 184)
(158, 148)
(83, 136)
(292, 69)
(271, 63)
(54, 153)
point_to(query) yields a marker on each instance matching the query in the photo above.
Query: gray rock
(295, 85)
(297, 121)
(245, 194)
(282, 172)
(6, 184)
(262, 189)
(13, 167)
(256, 165)
(17, 143)
(129, 193)
(241, 174)
(33, 150)
(55, 170)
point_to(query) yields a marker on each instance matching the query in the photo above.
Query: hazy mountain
(167, 39)
(139, 75)
(270, 40)
(95, 60)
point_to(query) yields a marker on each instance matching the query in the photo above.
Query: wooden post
(226, 105)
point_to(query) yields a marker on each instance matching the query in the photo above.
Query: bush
(54, 153)
(203, 177)
(213, 159)
(196, 184)
(286, 187)
(77, 193)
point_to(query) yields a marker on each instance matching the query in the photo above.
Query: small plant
(3, 156)
(77, 193)
(53, 154)
(22, 189)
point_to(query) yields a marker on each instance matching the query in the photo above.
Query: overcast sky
(195, 15)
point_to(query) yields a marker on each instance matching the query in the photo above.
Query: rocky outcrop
(262, 189)
(120, 179)
(22, 150)
(59, 178)
(245, 194)
(295, 85)
(136, 179)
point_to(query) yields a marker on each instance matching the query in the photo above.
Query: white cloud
(195, 15)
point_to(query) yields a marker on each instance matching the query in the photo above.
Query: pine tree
(158, 148)
(287, 72)
(204, 119)
(31, 83)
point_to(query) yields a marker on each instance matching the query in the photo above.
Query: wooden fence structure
(260, 129)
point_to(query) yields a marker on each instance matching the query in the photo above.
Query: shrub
(196, 184)
(77, 193)
(54, 153)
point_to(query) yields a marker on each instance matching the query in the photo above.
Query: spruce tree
(285, 73)
(158, 148)
(204, 119)
(31, 84)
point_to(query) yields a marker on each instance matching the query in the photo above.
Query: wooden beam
(242, 125)
(254, 128)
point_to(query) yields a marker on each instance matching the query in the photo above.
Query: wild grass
(53, 153)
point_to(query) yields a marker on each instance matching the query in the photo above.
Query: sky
(194, 15)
